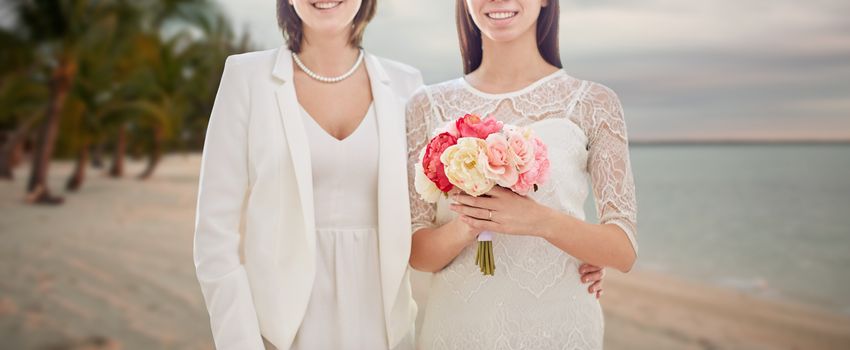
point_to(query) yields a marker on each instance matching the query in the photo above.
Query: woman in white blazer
(304, 166)
(309, 163)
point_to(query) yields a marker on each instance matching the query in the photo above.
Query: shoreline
(661, 308)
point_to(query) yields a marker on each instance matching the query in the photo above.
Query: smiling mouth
(501, 15)
(326, 5)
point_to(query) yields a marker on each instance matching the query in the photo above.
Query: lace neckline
(514, 93)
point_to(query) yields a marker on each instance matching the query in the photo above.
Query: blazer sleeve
(221, 197)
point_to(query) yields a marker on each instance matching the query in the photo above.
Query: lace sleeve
(418, 114)
(608, 162)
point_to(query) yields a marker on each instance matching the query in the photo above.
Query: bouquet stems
(484, 257)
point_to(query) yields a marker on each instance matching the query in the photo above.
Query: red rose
(472, 125)
(431, 163)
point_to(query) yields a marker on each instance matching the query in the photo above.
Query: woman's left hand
(592, 275)
(503, 211)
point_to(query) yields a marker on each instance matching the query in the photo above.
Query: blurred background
(739, 121)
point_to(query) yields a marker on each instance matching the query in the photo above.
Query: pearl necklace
(324, 79)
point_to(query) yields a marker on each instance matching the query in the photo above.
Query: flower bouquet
(474, 154)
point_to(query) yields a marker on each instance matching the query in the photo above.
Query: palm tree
(119, 73)
(171, 83)
(102, 72)
(21, 97)
(61, 31)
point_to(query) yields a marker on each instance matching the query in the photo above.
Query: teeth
(326, 5)
(501, 15)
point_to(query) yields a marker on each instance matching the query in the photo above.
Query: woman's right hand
(468, 233)
(434, 248)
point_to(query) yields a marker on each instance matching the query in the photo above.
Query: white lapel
(296, 137)
(393, 206)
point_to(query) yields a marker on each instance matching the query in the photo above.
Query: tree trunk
(117, 169)
(156, 153)
(60, 86)
(97, 155)
(79, 174)
(12, 149)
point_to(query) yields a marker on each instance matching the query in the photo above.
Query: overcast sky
(757, 69)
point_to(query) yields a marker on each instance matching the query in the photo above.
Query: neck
(327, 54)
(510, 63)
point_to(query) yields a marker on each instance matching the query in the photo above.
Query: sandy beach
(112, 269)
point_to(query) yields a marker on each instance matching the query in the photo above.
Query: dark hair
(469, 36)
(293, 29)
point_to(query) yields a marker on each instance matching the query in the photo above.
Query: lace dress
(535, 300)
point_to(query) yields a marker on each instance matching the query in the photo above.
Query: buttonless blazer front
(255, 192)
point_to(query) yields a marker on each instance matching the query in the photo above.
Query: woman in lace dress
(536, 299)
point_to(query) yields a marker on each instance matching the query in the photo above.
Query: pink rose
(541, 156)
(431, 164)
(498, 158)
(523, 149)
(451, 129)
(472, 125)
(522, 186)
(537, 173)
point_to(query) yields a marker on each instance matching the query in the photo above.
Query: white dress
(535, 300)
(346, 307)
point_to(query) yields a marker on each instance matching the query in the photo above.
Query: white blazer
(256, 179)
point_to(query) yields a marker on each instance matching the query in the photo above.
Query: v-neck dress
(346, 307)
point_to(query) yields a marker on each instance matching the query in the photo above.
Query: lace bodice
(582, 124)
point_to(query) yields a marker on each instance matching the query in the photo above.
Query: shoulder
(426, 95)
(601, 97)
(396, 68)
(433, 93)
(604, 110)
(251, 62)
(405, 78)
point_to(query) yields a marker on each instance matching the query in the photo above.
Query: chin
(502, 36)
(327, 28)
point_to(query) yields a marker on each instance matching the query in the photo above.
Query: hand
(468, 233)
(501, 210)
(593, 275)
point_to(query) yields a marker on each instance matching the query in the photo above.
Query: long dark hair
(469, 36)
(292, 27)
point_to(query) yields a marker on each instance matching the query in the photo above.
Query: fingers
(587, 268)
(499, 191)
(481, 225)
(477, 213)
(599, 294)
(592, 277)
(478, 202)
(595, 288)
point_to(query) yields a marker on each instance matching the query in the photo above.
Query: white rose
(426, 188)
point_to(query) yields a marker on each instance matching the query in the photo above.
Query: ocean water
(771, 220)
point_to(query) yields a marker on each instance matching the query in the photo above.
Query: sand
(112, 269)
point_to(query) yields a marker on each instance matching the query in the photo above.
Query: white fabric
(345, 310)
(255, 199)
(345, 174)
(535, 300)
